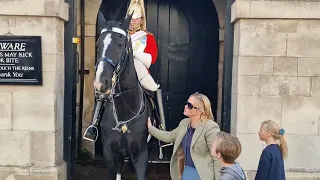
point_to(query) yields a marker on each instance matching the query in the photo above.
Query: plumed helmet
(137, 7)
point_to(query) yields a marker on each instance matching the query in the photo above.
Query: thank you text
(20, 60)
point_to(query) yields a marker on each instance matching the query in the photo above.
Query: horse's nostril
(98, 86)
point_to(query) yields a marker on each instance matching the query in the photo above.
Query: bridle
(117, 67)
(103, 97)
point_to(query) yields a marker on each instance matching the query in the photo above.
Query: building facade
(275, 75)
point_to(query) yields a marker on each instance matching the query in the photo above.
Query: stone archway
(91, 9)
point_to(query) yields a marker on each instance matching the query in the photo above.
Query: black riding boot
(162, 123)
(91, 133)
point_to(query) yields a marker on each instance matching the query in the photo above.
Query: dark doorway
(188, 42)
(187, 33)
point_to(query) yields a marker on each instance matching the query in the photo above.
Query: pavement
(95, 170)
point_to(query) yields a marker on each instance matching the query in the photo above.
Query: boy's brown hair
(228, 146)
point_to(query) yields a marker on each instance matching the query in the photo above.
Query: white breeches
(144, 77)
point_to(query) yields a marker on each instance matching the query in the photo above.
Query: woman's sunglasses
(190, 106)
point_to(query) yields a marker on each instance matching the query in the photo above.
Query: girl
(271, 166)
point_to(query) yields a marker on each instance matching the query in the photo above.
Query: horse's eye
(120, 45)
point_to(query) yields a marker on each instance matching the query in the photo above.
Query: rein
(103, 97)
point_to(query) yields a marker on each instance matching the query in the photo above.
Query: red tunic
(151, 47)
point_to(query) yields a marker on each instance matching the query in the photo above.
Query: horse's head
(113, 44)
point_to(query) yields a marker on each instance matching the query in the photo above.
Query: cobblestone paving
(97, 171)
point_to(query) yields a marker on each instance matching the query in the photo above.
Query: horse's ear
(126, 22)
(102, 23)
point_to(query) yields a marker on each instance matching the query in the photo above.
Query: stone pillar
(31, 117)
(276, 73)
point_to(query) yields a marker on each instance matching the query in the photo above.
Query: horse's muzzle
(99, 87)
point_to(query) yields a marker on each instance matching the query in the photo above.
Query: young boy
(227, 149)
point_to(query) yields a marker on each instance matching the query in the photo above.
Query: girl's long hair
(274, 129)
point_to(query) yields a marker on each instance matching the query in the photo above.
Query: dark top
(271, 166)
(186, 143)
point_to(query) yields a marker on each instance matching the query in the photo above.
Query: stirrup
(91, 133)
(149, 137)
(164, 144)
(161, 143)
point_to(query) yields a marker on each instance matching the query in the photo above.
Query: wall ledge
(249, 9)
(42, 8)
(296, 175)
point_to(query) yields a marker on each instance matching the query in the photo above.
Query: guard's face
(135, 23)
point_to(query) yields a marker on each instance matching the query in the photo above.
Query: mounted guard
(145, 53)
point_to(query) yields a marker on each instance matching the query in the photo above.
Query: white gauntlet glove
(143, 57)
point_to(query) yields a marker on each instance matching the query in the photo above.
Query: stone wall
(91, 10)
(31, 117)
(276, 76)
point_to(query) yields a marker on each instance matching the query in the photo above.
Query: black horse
(125, 107)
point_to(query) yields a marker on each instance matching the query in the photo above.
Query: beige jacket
(207, 166)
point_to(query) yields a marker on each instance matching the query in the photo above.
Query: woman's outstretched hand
(149, 122)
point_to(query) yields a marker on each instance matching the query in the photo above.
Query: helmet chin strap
(132, 31)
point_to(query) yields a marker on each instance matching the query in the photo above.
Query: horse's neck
(129, 80)
(128, 76)
(131, 96)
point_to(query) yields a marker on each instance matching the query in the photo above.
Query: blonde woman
(191, 158)
(271, 165)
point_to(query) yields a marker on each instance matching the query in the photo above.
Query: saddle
(150, 96)
(148, 93)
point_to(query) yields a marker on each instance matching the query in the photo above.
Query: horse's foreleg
(140, 164)
(119, 168)
(111, 169)
(111, 154)
(118, 176)
(112, 165)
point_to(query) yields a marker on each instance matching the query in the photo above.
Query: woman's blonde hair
(277, 134)
(204, 104)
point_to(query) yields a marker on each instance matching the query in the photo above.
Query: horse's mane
(113, 23)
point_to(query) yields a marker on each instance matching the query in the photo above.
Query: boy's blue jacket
(233, 172)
